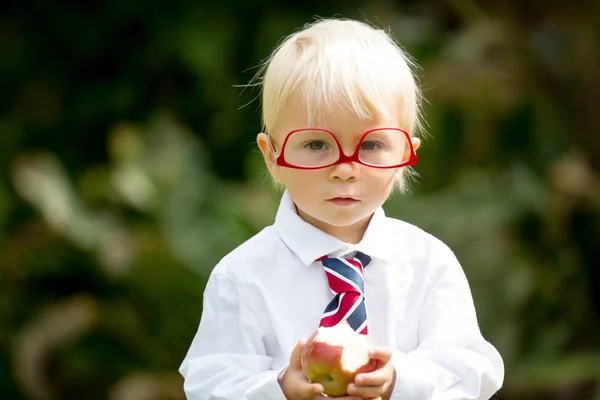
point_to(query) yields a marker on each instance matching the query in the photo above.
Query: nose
(344, 171)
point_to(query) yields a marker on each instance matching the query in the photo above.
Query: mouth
(343, 201)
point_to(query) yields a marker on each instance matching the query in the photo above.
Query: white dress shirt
(269, 292)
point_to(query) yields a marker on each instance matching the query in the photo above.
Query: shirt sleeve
(227, 358)
(453, 361)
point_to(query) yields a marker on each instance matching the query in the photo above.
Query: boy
(339, 101)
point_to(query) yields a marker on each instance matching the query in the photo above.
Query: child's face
(318, 193)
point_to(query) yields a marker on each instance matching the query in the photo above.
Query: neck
(351, 234)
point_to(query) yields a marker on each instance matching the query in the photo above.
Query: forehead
(341, 119)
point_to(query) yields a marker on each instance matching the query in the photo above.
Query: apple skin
(322, 363)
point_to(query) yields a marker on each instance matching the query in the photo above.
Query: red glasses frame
(343, 158)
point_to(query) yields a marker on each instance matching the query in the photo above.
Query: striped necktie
(345, 277)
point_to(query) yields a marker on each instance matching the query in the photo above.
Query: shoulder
(424, 251)
(419, 241)
(259, 250)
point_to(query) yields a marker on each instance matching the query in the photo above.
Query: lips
(343, 201)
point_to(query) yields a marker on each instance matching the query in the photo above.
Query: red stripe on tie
(338, 285)
(347, 303)
(356, 263)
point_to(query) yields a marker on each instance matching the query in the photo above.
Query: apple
(333, 356)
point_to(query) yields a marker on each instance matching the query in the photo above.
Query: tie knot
(354, 256)
(345, 274)
(345, 278)
(363, 258)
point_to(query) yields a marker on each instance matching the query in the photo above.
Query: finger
(309, 390)
(296, 353)
(366, 391)
(375, 378)
(383, 354)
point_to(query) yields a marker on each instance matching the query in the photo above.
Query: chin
(343, 219)
(320, 215)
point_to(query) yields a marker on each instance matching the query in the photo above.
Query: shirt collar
(310, 243)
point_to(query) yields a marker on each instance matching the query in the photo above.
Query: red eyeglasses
(314, 148)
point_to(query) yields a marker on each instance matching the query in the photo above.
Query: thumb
(295, 362)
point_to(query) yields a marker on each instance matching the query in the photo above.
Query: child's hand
(377, 384)
(296, 386)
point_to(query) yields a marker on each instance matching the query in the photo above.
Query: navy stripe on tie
(358, 316)
(363, 258)
(345, 270)
(333, 304)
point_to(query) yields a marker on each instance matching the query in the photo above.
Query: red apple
(334, 356)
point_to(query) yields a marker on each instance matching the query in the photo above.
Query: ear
(264, 144)
(416, 142)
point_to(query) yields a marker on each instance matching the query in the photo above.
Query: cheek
(381, 178)
(300, 178)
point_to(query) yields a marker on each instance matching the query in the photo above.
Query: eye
(316, 145)
(370, 146)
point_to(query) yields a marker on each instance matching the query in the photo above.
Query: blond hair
(341, 61)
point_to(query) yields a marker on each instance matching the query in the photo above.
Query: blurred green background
(129, 168)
